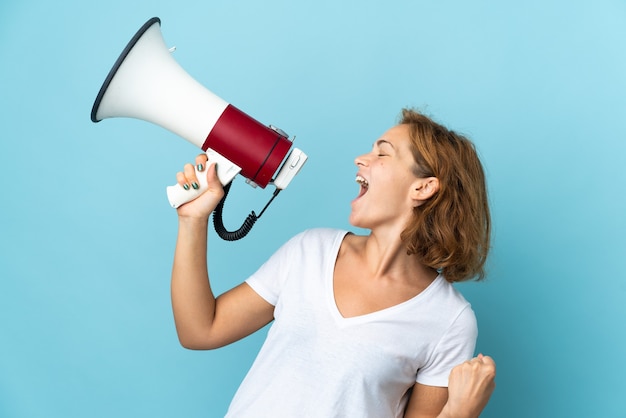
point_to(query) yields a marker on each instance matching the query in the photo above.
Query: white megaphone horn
(147, 83)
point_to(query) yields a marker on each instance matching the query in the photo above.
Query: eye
(381, 153)
(382, 148)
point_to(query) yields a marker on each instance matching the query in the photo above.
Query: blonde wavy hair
(451, 231)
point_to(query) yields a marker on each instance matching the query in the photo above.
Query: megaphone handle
(226, 171)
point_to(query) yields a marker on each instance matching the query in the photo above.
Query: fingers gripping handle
(226, 171)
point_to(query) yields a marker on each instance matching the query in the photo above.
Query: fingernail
(195, 185)
(200, 167)
(186, 186)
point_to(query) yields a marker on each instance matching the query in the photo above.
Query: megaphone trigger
(226, 172)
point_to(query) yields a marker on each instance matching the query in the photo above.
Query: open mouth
(363, 183)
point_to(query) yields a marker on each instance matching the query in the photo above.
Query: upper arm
(238, 313)
(426, 401)
(456, 345)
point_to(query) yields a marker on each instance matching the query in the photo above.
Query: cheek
(398, 177)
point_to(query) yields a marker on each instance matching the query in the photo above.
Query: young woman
(363, 326)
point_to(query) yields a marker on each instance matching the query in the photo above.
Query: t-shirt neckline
(371, 316)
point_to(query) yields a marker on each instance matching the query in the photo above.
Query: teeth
(362, 181)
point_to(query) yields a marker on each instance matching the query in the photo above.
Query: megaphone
(147, 83)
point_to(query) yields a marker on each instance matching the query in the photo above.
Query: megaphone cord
(247, 225)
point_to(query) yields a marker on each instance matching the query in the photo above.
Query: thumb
(213, 181)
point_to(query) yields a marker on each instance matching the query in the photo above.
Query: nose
(361, 160)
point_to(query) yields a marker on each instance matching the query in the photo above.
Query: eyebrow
(383, 141)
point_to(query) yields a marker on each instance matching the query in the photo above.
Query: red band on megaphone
(256, 148)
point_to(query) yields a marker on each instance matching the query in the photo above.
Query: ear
(423, 189)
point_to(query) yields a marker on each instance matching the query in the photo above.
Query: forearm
(193, 302)
(446, 412)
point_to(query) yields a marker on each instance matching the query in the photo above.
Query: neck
(385, 256)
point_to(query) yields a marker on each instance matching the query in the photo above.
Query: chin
(356, 222)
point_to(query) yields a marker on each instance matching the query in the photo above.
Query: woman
(364, 326)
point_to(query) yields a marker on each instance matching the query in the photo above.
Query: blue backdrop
(87, 236)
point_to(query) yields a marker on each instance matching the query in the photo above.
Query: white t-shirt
(316, 363)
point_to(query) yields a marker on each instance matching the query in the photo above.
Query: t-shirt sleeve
(456, 346)
(269, 279)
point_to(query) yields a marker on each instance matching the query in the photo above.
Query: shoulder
(323, 233)
(311, 242)
(449, 293)
(318, 235)
(451, 303)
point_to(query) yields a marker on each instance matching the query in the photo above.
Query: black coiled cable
(219, 224)
(245, 227)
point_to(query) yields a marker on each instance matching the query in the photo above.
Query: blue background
(87, 236)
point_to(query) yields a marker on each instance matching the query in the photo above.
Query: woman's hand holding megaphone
(191, 178)
(192, 182)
